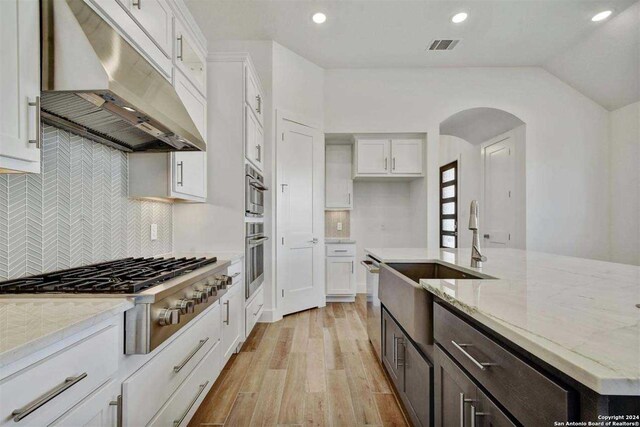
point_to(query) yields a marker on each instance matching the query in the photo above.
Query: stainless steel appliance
(374, 307)
(168, 292)
(254, 257)
(254, 192)
(95, 84)
(476, 255)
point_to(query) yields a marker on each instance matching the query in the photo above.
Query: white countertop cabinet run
(341, 272)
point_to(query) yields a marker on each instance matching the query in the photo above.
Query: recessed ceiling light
(129, 109)
(601, 16)
(459, 17)
(319, 17)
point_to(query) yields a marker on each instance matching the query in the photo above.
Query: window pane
(448, 225)
(449, 208)
(449, 175)
(449, 241)
(449, 191)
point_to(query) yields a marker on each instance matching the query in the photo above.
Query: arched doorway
(482, 157)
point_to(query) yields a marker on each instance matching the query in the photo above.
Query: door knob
(314, 241)
(486, 236)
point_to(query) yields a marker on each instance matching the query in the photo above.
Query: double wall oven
(254, 193)
(254, 257)
(254, 235)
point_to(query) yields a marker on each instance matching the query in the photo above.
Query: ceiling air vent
(443, 44)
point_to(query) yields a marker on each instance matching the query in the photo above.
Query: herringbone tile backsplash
(75, 212)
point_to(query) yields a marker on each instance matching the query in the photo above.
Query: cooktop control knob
(223, 281)
(210, 290)
(169, 316)
(200, 297)
(185, 306)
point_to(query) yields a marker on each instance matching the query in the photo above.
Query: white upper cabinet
(393, 158)
(189, 59)
(254, 139)
(189, 176)
(194, 102)
(156, 18)
(20, 135)
(254, 95)
(372, 156)
(338, 182)
(406, 156)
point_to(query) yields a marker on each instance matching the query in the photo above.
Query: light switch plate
(339, 226)
(154, 231)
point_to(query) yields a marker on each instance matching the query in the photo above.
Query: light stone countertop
(28, 325)
(578, 315)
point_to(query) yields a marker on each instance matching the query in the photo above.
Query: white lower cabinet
(185, 401)
(341, 270)
(253, 311)
(40, 393)
(146, 390)
(99, 409)
(232, 304)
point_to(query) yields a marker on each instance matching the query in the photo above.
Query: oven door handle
(255, 242)
(257, 185)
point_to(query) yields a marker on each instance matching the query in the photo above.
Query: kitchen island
(575, 319)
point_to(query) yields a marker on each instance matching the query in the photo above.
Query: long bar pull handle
(461, 409)
(179, 56)
(393, 167)
(259, 108)
(226, 322)
(395, 351)
(38, 135)
(385, 163)
(20, 413)
(352, 266)
(136, 3)
(118, 404)
(179, 421)
(480, 365)
(181, 179)
(475, 414)
(236, 274)
(179, 367)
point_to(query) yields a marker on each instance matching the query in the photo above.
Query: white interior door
(300, 202)
(498, 188)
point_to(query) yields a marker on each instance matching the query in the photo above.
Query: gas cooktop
(123, 276)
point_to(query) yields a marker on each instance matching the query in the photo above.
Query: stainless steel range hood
(96, 84)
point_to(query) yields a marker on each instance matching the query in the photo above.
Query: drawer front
(97, 410)
(235, 271)
(253, 311)
(341, 250)
(185, 401)
(518, 386)
(149, 388)
(51, 386)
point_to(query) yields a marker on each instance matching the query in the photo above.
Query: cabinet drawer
(341, 250)
(182, 405)
(149, 388)
(53, 385)
(235, 272)
(253, 311)
(532, 397)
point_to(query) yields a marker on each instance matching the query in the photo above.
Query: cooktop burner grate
(123, 276)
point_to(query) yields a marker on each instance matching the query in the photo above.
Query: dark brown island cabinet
(475, 378)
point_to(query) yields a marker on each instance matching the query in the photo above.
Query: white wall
(382, 217)
(625, 184)
(567, 141)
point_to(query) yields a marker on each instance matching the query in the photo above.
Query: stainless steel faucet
(476, 256)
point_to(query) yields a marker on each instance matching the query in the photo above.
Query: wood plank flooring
(313, 368)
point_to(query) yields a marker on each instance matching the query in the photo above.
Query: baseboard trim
(269, 316)
(341, 298)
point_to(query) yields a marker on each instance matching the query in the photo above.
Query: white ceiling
(605, 66)
(598, 59)
(478, 125)
(395, 33)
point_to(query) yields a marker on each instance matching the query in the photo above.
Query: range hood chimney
(94, 83)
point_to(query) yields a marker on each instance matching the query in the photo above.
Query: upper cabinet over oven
(20, 135)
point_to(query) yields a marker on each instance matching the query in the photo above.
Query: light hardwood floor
(313, 368)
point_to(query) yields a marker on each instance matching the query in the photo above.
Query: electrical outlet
(339, 226)
(154, 231)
